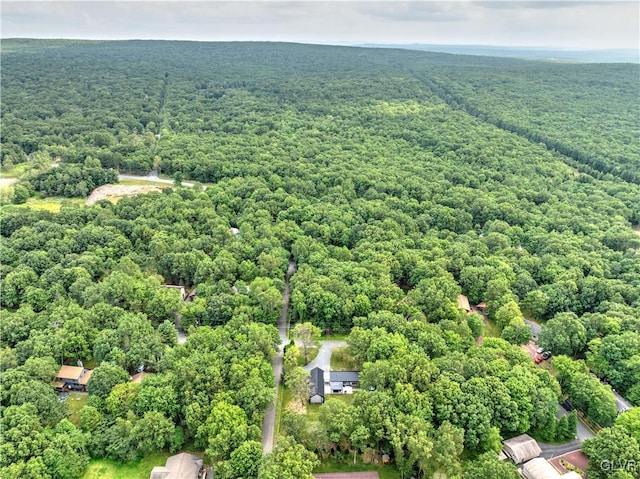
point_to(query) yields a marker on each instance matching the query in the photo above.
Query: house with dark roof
(344, 378)
(316, 386)
(72, 378)
(180, 466)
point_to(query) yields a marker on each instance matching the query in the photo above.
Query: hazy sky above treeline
(572, 24)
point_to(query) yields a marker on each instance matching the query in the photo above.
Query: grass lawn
(284, 398)
(141, 183)
(490, 330)
(335, 337)
(75, 402)
(52, 204)
(16, 171)
(108, 469)
(332, 465)
(342, 361)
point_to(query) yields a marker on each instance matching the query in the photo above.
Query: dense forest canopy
(396, 180)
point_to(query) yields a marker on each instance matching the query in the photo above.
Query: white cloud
(586, 24)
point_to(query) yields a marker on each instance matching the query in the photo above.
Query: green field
(75, 402)
(108, 469)
(52, 204)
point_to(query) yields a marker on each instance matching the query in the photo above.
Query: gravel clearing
(109, 192)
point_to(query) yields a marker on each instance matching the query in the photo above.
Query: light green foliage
(288, 461)
(614, 447)
(395, 179)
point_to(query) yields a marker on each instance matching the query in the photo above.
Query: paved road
(621, 403)
(535, 328)
(552, 450)
(323, 359)
(269, 423)
(582, 430)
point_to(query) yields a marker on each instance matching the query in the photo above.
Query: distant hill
(587, 56)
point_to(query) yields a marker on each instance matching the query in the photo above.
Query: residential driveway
(621, 403)
(535, 328)
(582, 431)
(323, 359)
(553, 450)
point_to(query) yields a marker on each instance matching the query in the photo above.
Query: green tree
(564, 334)
(152, 432)
(611, 449)
(308, 335)
(288, 460)
(104, 378)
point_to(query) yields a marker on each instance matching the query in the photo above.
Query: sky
(570, 24)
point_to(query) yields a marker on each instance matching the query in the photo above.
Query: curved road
(269, 423)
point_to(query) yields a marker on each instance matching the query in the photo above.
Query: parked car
(546, 355)
(538, 359)
(540, 350)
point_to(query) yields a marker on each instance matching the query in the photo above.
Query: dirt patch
(112, 192)
(4, 182)
(348, 475)
(297, 407)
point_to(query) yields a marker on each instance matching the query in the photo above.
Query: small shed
(463, 303)
(316, 389)
(521, 448)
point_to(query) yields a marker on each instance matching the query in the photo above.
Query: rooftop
(341, 376)
(70, 372)
(463, 302)
(521, 448)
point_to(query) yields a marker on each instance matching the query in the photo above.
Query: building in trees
(72, 377)
(316, 390)
(521, 448)
(180, 466)
(342, 379)
(463, 303)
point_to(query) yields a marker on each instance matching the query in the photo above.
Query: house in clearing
(521, 448)
(341, 381)
(463, 303)
(180, 466)
(72, 378)
(316, 386)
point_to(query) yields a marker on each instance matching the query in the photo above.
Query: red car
(538, 359)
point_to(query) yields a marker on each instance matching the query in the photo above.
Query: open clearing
(108, 469)
(115, 192)
(52, 204)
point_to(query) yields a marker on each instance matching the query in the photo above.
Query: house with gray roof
(345, 378)
(316, 386)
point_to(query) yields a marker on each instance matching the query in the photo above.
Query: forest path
(269, 423)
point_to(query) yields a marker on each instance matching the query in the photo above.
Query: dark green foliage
(396, 180)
